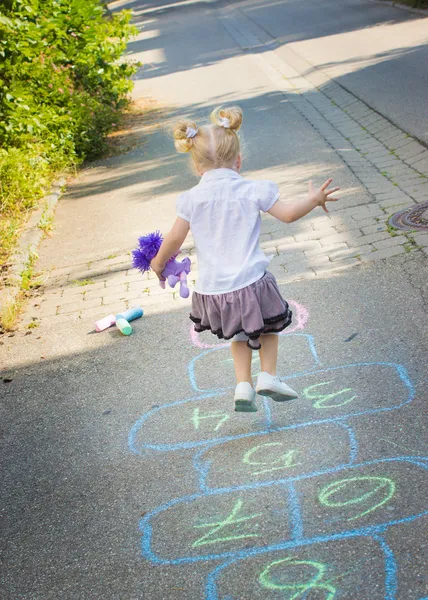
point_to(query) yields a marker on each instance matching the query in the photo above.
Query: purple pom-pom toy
(175, 271)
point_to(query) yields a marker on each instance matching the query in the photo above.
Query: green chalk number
(365, 494)
(297, 577)
(323, 400)
(269, 463)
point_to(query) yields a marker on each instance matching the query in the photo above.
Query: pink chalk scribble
(300, 318)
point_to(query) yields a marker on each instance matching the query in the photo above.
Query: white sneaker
(244, 397)
(270, 385)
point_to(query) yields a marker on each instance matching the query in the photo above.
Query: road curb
(28, 244)
(417, 11)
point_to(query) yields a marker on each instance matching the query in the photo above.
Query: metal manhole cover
(415, 217)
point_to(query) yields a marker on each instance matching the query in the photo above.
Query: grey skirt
(256, 309)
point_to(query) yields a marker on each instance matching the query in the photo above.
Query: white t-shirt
(224, 215)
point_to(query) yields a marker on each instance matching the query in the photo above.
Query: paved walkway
(387, 170)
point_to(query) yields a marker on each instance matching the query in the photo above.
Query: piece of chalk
(123, 326)
(105, 323)
(131, 314)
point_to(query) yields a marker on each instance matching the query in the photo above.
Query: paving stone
(337, 266)
(417, 158)
(410, 150)
(317, 259)
(341, 254)
(326, 249)
(420, 162)
(414, 180)
(377, 189)
(345, 237)
(72, 307)
(369, 239)
(362, 211)
(76, 291)
(421, 239)
(277, 261)
(359, 250)
(390, 243)
(284, 243)
(421, 188)
(388, 134)
(373, 228)
(396, 202)
(400, 140)
(315, 235)
(303, 246)
(296, 268)
(381, 254)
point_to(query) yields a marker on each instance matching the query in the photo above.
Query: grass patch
(83, 282)
(46, 223)
(27, 274)
(9, 313)
(390, 229)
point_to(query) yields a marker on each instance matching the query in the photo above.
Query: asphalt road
(126, 473)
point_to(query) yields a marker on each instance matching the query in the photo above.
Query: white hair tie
(190, 132)
(225, 122)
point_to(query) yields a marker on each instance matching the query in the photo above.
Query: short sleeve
(267, 193)
(183, 207)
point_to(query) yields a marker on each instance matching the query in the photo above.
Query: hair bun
(182, 142)
(233, 114)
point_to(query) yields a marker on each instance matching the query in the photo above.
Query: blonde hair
(211, 146)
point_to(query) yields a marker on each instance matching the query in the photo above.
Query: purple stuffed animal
(175, 271)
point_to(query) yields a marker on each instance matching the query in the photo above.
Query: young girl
(235, 296)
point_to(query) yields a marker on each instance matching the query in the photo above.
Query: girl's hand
(158, 267)
(321, 196)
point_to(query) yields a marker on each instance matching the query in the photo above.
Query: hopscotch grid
(402, 372)
(390, 568)
(146, 529)
(368, 531)
(202, 467)
(195, 359)
(374, 532)
(389, 562)
(295, 513)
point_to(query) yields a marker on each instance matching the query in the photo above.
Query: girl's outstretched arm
(292, 211)
(170, 245)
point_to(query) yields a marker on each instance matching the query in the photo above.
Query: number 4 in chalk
(220, 417)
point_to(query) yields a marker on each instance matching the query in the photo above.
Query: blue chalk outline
(389, 562)
(296, 525)
(295, 518)
(203, 467)
(402, 373)
(192, 363)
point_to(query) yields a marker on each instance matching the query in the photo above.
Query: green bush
(62, 87)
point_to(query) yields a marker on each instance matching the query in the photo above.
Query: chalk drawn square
(275, 456)
(193, 423)
(213, 369)
(206, 527)
(346, 569)
(345, 390)
(360, 498)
